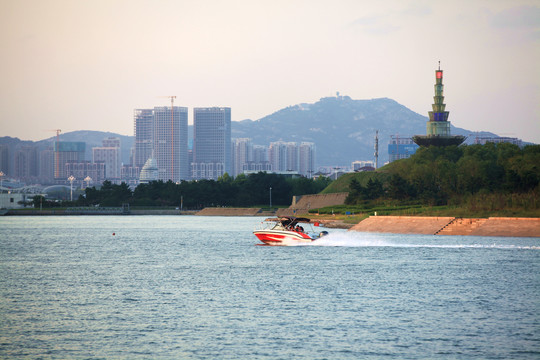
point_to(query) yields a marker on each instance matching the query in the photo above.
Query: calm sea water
(188, 287)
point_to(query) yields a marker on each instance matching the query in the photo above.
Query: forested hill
(342, 129)
(491, 177)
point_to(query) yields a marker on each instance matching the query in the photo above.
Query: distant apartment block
(248, 158)
(306, 159)
(130, 174)
(401, 148)
(485, 139)
(255, 167)
(260, 153)
(170, 139)
(291, 157)
(83, 169)
(358, 166)
(111, 142)
(242, 153)
(211, 142)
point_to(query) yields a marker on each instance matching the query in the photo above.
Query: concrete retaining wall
(402, 224)
(497, 226)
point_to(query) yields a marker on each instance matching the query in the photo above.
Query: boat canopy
(289, 221)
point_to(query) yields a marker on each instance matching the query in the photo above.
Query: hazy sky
(86, 65)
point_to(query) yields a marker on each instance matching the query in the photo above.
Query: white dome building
(149, 171)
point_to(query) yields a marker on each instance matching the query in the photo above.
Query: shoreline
(427, 225)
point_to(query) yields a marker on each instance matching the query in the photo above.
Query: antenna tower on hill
(376, 149)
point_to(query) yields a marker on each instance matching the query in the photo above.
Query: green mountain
(342, 129)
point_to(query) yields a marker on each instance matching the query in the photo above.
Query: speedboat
(287, 231)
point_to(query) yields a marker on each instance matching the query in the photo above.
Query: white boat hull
(282, 237)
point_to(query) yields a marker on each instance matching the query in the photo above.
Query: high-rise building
(4, 159)
(170, 138)
(438, 126)
(292, 156)
(242, 153)
(277, 155)
(143, 128)
(26, 163)
(46, 166)
(110, 155)
(260, 153)
(64, 152)
(306, 159)
(211, 142)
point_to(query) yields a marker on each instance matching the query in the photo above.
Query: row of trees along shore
(487, 177)
(242, 191)
(494, 175)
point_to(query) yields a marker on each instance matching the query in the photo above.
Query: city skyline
(87, 65)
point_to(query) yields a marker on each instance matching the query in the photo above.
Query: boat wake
(357, 239)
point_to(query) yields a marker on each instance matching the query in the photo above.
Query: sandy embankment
(493, 226)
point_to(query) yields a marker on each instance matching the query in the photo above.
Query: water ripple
(196, 288)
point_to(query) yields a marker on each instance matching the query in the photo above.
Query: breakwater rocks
(429, 225)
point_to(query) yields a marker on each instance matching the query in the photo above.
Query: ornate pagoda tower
(438, 126)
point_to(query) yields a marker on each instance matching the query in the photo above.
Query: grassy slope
(479, 206)
(342, 183)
